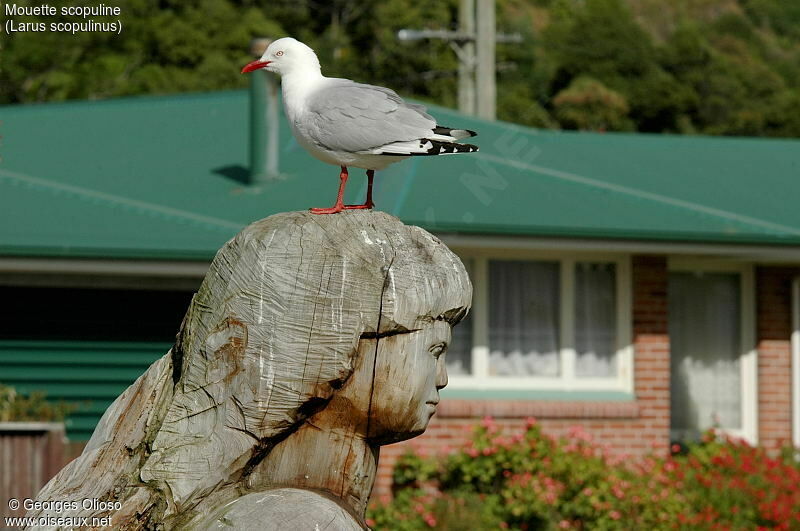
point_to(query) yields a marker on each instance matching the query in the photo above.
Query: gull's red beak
(255, 65)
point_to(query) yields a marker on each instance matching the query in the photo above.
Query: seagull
(351, 124)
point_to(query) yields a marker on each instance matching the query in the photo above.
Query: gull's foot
(332, 210)
(359, 207)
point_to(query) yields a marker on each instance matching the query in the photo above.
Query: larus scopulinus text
(346, 123)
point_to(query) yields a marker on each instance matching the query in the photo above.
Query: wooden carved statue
(312, 341)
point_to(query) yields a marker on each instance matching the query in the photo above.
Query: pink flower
(503, 442)
(577, 432)
(564, 524)
(615, 515)
(530, 422)
(472, 452)
(370, 522)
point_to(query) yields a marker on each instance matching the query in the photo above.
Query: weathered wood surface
(312, 341)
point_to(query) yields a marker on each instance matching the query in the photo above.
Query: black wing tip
(440, 130)
(443, 148)
(437, 148)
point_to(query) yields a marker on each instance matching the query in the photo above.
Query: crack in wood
(399, 329)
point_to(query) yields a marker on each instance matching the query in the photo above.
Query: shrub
(530, 480)
(589, 105)
(15, 407)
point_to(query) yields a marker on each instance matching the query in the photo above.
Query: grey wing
(354, 117)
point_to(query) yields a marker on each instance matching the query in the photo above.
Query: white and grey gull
(352, 124)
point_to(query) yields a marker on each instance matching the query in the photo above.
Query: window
(712, 355)
(544, 322)
(523, 318)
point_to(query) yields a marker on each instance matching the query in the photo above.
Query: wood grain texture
(312, 341)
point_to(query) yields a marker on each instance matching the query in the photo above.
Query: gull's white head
(285, 56)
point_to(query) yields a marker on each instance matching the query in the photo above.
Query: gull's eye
(279, 53)
(438, 349)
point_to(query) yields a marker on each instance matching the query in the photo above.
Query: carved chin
(401, 429)
(393, 437)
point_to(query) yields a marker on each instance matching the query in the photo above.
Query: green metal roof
(145, 178)
(87, 374)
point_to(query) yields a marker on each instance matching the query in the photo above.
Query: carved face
(409, 371)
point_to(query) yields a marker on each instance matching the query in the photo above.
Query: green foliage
(781, 16)
(413, 509)
(529, 480)
(725, 67)
(413, 471)
(517, 104)
(589, 105)
(164, 47)
(15, 407)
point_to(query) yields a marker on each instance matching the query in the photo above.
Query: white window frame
(748, 356)
(479, 379)
(796, 361)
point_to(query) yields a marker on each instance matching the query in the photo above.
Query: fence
(30, 454)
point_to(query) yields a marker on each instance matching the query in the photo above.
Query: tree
(180, 46)
(727, 67)
(589, 105)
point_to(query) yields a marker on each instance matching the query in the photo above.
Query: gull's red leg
(339, 206)
(368, 203)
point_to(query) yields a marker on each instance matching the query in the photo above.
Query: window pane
(595, 320)
(704, 327)
(523, 318)
(459, 354)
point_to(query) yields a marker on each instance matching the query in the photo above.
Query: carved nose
(441, 373)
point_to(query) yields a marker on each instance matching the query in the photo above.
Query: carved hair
(278, 319)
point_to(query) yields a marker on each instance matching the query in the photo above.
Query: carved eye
(279, 53)
(438, 349)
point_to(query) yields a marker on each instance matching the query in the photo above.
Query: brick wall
(627, 428)
(773, 326)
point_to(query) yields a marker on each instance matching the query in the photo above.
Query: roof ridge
(121, 200)
(642, 194)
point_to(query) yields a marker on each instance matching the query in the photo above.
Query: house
(643, 286)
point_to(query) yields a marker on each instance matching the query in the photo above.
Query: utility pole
(466, 56)
(475, 48)
(486, 70)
